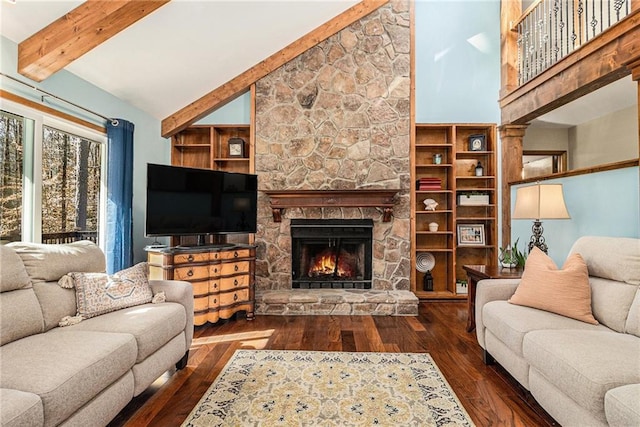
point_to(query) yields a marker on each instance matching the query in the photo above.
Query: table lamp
(537, 202)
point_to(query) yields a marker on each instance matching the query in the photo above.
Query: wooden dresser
(223, 277)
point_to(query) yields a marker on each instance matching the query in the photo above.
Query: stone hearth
(336, 302)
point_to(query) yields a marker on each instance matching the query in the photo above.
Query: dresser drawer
(191, 272)
(214, 286)
(190, 258)
(229, 283)
(236, 254)
(229, 268)
(214, 301)
(200, 288)
(228, 298)
(201, 303)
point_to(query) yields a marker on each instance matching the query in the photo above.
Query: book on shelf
(428, 184)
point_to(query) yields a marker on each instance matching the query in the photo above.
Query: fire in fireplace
(331, 253)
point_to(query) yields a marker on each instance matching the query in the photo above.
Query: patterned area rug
(273, 388)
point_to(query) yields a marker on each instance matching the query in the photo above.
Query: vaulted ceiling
(181, 51)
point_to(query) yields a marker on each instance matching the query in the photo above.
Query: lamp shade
(540, 201)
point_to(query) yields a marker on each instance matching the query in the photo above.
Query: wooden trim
(77, 32)
(583, 171)
(412, 139)
(198, 109)
(358, 198)
(593, 65)
(36, 106)
(511, 137)
(508, 46)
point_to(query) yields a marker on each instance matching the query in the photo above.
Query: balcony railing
(549, 30)
(63, 237)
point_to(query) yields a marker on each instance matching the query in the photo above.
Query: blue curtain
(119, 232)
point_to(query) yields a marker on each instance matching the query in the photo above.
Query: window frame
(32, 163)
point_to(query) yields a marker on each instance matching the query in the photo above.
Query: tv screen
(188, 201)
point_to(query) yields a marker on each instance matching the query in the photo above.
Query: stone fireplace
(331, 253)
(337, 118)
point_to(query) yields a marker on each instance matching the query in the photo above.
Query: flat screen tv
(187, 201)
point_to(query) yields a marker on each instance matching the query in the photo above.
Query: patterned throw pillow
(100, 293)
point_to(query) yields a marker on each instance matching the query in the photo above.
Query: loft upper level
(559, 50)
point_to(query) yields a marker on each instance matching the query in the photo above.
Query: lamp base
(537, 239)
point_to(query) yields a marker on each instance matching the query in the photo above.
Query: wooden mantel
(359, 198)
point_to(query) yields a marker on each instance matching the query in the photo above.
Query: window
(52, 180)
(11, 171)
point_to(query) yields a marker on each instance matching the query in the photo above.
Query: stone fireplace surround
(337, 118)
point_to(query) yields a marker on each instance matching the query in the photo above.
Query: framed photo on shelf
(471, 235)
(236, 147)
(477, 142)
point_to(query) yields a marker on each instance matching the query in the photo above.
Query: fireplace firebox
(331, 253)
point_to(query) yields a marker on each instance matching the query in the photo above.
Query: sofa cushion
(152, 325)
(13, 274)
(611, 301)
(622, 406)
(46, 262)
(510, 323)
(584, 364)
(100, 293)
(56, 302)
(615, 258)
(20, 409)
(66, 368)
(566, 291)
(633, 320)
(20, 315)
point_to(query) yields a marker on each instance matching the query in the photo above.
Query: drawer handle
(235, 297)
(190, 273)
(215, 270)
(216, 256)
(190, 258)
(215, 286)
(235, 282)
(235, 254)
(215, 301)
(235, 268)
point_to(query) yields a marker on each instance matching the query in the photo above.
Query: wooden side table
(475, 273)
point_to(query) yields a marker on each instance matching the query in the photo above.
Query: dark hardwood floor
(488, 393)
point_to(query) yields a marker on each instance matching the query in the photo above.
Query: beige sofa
(581, 374)
(83, 374)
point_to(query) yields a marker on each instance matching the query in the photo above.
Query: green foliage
(512, 255)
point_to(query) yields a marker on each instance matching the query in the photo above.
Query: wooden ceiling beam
(241, 83)
(77, 32)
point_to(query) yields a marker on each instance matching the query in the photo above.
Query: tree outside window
(70, 183)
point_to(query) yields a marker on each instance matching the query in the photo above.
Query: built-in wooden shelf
(358, 198)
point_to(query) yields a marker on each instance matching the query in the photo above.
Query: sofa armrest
(491, 290)
(182, 293)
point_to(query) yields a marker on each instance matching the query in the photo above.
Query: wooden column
(510, 11)
(635, 74)
(511, 137)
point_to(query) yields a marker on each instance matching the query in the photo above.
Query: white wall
(607, 139)
(545, 139)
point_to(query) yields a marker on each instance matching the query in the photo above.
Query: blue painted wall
(236, 112)
(457, 61)
(149, 146)
(600, 204)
